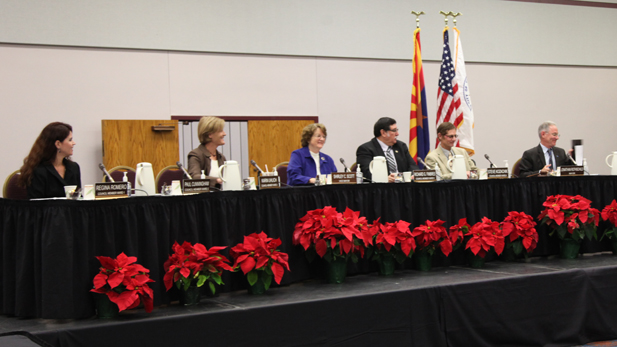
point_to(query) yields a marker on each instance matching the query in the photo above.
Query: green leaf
(267, 279)
(328, 257)
(212, 288)
(517, 247)
(354, 257)
(216, 278)
(201, 280)
(400, 257)
(268, 270)
(186, 282)
(252, 277)
(369, 252)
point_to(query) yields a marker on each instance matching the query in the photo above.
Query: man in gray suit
(546, 157)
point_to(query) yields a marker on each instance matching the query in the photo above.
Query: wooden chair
(117, 173)
(11, 190)
(353, 167)
(516, 169)
(168, 174)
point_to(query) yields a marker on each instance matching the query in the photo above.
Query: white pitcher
(379, 170)
(612, 163)
(144, 179)
(231, 175)
(459, 170)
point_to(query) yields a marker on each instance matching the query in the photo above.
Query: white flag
(466, 124)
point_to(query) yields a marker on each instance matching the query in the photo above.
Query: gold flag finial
(455, 15)
(418, 14)
(446, 14)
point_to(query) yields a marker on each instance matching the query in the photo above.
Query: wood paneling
(272, 141)
(129, 142)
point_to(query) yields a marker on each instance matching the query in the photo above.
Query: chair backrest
(11, 190)
(117, 173)
(281, 169)
(516, 168)
(168, 174)
(353, 167)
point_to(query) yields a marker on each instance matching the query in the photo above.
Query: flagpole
(446, 14)
(454, 19)
(418, 14)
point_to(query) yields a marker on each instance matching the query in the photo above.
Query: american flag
(448, 95)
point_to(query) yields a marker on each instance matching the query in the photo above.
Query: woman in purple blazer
(308, 162)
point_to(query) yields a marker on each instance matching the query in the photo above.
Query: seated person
(206, 157)
(384, 144)
(546, 157)
(48, 167)
(308, 162)
(446, 133)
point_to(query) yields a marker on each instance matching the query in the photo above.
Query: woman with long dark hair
(48, 168)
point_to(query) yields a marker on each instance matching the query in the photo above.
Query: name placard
(344, 178)
(424, 175)
(572, 170)
(269, 182)
(196, 186)
(111, 190)
(497, 173)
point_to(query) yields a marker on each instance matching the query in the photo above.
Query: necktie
(550, 158)
(390, 159)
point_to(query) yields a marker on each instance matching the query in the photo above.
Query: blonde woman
(206, 157)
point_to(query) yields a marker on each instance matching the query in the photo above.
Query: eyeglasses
(451, 136)
(319, 137)
(556, 134)
(393, 130)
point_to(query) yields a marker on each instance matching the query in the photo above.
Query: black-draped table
(48, 248)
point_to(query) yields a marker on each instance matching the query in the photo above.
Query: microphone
(102, 167)
(571, 159)
(179, 164)
(257, 166)
(343, 162)
(487, 158)
(423, 163)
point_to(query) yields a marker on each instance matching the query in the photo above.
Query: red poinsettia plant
(124, 282)
(483, 237)
(609, 214)
(195, 265)
(259, 254)
(331, 234)
(458, 231)
(572, 217)
(390, 239)
(431, 235)
(519, 230)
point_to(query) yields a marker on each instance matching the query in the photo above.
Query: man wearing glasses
(384, 144)
(546, 157)
(446, 133)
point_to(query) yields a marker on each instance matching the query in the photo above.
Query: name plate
(497, 173)
(424, 175)
(344, 178)
(572, 170)
(196, 186)
(110, 190)
(269, 182)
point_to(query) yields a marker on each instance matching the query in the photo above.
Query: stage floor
(541, 302)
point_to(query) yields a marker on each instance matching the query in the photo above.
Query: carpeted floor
(601, 344)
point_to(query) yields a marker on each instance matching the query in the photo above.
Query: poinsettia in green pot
(124, 283)
(191, 266)
(520, 234)
(609, 215)
(482, 238)
(429, 237)
(572, 218)
(333, 236)
(259, 259)
(390, 242)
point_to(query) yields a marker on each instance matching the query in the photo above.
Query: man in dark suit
(546, 157)
(385, 145)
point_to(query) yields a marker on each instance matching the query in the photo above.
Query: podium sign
(344, 178)
(572, 170)
(111, 190)
(497, 173)
(424, 175)
(269, 182)
(196, 186)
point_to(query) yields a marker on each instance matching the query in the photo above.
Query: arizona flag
(448, 95)
(465, 121)
(419, 143)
